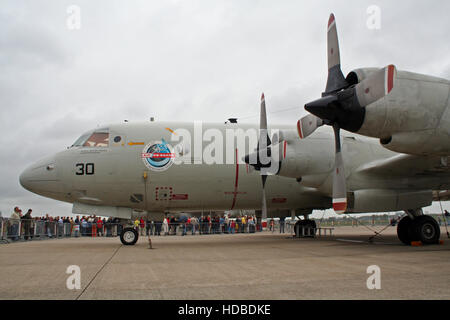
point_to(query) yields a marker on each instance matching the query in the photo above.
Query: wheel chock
(420, 244)
(150, 243)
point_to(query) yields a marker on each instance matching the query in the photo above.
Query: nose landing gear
(129, 236)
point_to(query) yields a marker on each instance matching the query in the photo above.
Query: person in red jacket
(142, 226)
(99, 227)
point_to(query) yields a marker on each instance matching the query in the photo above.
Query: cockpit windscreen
(98, 138)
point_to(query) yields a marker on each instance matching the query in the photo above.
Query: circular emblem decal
(158, 155)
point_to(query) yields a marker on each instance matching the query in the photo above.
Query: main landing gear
(416, 226)
(129, 236)
(305, 228)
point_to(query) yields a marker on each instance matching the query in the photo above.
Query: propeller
(342, 106)
(264, 153)
(262, 160)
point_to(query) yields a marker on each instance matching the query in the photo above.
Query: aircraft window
(97, 139)
(81, 140)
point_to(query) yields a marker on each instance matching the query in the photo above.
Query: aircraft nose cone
(41, 176)
(24, 179)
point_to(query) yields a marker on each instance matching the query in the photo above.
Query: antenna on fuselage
(232, 120)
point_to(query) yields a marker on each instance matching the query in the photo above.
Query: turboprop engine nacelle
(387, 200)
(414, 118)
(298, 158)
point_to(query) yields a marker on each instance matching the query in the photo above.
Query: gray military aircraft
(112, 170)
(161, 167)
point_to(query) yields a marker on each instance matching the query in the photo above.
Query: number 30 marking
(84, 169)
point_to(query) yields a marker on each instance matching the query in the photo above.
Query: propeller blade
(376, 85)
(264, 202)
(336, 80)
(263, 115)
(339, 183)
(263, 140)
(307, 125)
(263, 135)
(263, 143)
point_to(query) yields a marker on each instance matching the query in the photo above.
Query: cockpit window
(81, 140)
(98, 138)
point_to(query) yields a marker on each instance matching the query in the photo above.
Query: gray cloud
(183, 60)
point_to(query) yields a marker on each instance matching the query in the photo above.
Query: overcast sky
(183, 60)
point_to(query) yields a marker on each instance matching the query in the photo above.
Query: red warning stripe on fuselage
(390, 78)
(180, 197)
(236, 181)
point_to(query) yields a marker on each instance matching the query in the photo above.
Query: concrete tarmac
(240, 266)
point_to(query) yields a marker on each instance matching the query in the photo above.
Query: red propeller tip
(340, 207)
(299, 129)
(331, 20)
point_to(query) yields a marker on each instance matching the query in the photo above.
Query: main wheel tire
(129, 236)
(307, 224)
(403, 230)
(297, 228)
(311, 228)
(425, 229)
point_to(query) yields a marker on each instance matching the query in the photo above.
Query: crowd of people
(27, 226)
(193, 225)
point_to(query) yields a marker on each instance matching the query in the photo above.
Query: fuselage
(112, 169)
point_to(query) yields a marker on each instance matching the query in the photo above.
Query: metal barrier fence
(37, 229)
(14, 230)
(309, 232)
(201, 228)
(354, 221)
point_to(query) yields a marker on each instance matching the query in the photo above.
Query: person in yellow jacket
(136, 225)
(244, 222)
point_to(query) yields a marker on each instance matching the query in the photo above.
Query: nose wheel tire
(129, 236)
